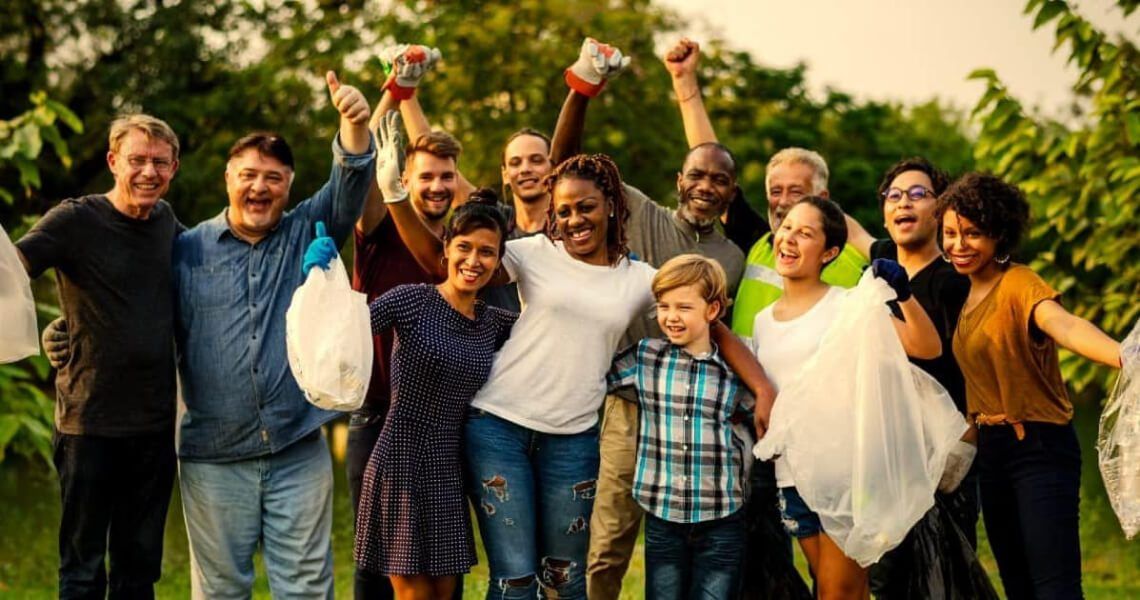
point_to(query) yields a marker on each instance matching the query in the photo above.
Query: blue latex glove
(320, 252)
(895, 276)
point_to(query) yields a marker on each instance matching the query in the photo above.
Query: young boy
(692, 461)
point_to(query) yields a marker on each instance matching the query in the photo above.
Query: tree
(25, 408)
(1081, 179)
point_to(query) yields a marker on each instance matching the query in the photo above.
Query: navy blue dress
(413, 517)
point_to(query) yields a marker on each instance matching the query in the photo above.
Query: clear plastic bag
(19, 337)
(866, 434)
(1118, 442)
(329, 339)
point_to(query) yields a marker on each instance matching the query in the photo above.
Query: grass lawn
(29, 516)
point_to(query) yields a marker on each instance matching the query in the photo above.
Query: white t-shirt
(550, 375)
(782, 347)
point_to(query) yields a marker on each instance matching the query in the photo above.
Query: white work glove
(405, 66)
(957, 465)
(390, 158)
(597, 63)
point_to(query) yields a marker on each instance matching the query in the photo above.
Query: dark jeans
(693, 560)
(114, 494)
(363, 431)
(1030, 491)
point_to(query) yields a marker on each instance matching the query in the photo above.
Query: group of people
(567, 363)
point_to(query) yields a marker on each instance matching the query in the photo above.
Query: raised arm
(353, 108)
(423, 244)
(681, 61)
(374, 208)
(1076, 334)
(597, 63)
(742, 362)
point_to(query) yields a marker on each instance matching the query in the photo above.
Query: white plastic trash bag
(329, 339)
(865, 433)
(18, 334)
(1118, 443)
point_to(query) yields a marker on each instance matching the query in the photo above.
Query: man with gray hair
(115, 393)
(792, 174)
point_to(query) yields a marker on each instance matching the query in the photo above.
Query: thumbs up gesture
(348, 100)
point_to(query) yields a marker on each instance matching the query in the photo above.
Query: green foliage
(22, 140)
(1081, 178)
(25, 410)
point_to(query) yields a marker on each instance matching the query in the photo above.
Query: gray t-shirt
(115, 291)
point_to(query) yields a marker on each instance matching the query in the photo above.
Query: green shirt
(762, 285)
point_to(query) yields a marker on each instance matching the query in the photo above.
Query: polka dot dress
(413, 517)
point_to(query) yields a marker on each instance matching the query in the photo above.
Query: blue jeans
(1030, 491)
(282, 501)
(533, 494)
(696, 561)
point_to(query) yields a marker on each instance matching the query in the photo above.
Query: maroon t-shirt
(381, 262)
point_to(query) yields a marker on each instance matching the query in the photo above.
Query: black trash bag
(934, 562)
(769, 571)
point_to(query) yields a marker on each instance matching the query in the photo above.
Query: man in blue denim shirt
(254, 467)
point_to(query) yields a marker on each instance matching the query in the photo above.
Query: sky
(908, 50)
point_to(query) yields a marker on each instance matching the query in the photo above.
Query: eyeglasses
(139, 163)
(914, 192)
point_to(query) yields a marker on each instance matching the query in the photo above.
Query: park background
(216, 70)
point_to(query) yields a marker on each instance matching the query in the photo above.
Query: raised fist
(596, 64)
(406, 65)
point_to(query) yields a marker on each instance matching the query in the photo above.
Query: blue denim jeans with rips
(533, 493)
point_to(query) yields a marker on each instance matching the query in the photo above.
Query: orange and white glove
(596, 64)
(405, 66)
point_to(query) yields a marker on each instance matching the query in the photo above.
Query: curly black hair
(938, 178)
(997, 208)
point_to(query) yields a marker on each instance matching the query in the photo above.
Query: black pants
(115, 493)
(1030, 491)
(363, 431)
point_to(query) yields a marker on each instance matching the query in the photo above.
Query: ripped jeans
(533, 493)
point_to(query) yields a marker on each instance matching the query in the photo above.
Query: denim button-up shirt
(241, 398)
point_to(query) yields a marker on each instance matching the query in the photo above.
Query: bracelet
(696, 92)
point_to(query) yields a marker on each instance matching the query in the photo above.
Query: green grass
(29, 516)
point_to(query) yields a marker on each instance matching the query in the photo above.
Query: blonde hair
(696, 270)
(801, 156)
(154, 128)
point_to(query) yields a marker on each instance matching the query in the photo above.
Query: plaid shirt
(691, 460)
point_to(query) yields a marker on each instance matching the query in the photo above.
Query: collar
(713, 355)
(219, 226)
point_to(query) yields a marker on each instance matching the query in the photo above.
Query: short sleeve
(517, 253)
(393, 306)
(1023, 290)
(48, 243)
(623, 370)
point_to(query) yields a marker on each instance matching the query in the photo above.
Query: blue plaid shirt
(241, 398)
(692, 460)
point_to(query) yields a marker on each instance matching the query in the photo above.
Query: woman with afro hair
(1029, 463)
